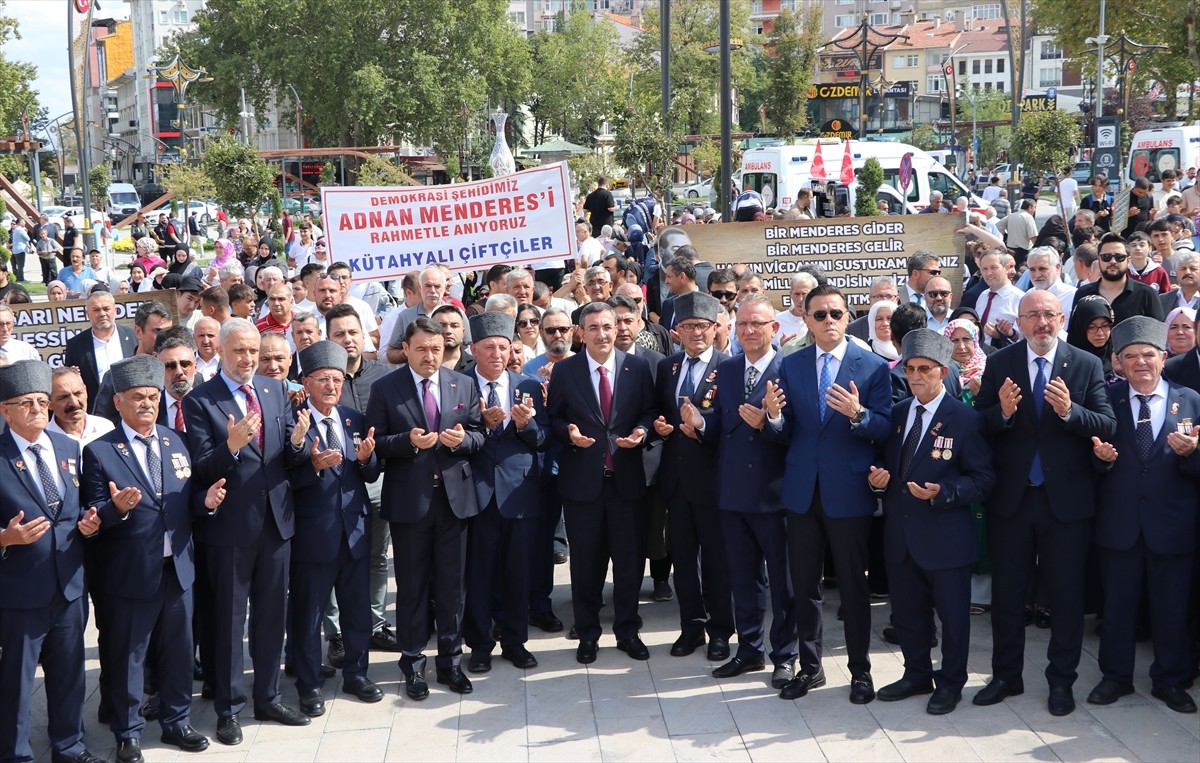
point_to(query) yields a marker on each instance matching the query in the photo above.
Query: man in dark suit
(936, 463)
(1042, 402)
(601, 407)
(177, 351)
(147, 558)
(333, 530)
(427, 425)
(687, 480)
(94, 351)
(832, 408)
(43, 611)
(1146, 517)
(507, 476)
(749, 480)
(238, 428)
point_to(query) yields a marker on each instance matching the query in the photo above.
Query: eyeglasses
(1117, 257)
(821, 315)
(29, 403)
(1102, 328)
(877, 297)
(723, 295)
(556, 329)
(182, 365)
(326, 381)
(937, 294)
(1043, 315)
(693, 326)
(756, 325)
(919, 370)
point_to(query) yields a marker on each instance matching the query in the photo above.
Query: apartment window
(845, 2)
(755, 7)
(181, 16)
(935, 83)
(758, 28)
(844, 22)
(1000, 87)
(975, 66)
(987, 86)
(999, 65)
(986, 11)
(1051, 51)
(907, 62)
(962, 68)
(987, 66)
(1049, 78)
(880, 19)
(787, 5)
(164, 17)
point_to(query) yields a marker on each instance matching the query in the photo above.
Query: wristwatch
(858, 417)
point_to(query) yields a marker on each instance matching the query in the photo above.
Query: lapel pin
(1174, 408)
(20, 465)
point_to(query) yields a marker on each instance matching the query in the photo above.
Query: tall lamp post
(299, 141)
(180, 75)
(80, 110)
(725, 47)
(864, 43)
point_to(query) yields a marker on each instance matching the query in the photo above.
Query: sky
(43, 43)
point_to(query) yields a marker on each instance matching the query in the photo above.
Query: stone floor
(672, 709)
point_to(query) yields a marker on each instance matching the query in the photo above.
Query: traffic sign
(1051, 92)
(906, 170)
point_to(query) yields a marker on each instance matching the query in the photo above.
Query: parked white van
(1163, 148)
(779, 172)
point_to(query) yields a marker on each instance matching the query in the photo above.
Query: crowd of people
(246, 462)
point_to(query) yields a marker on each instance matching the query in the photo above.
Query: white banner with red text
(384, 233)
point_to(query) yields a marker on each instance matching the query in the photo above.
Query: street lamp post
(864, 43)
(299, 142)
(726, 117)
(81, 145)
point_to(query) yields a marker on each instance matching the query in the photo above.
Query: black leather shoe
(480, 662)
(455, 680)
(782, 675)
(1176, 698)
(415, 686)
(572, 635)
(890, 636)
(312, 703)
(862, 689)
(585, 653)
(197, 670)
(547, 622)
(186, 739)
(801, 684)
(384, 640)
(281, 713)
(520, 657)
(1042, 618)
(335, 654)
(718, 649)
(83, 757)
(737, 666)
(996, 690)
(662, 591)
(1108, 692)
(1061, 701)
(685, 644)
(635, 648)
(903, 689)
(363, 689)
(327, 672)
(229, 730)
(942, 702)
(129, 751)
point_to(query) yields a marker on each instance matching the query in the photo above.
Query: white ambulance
(1163, 148)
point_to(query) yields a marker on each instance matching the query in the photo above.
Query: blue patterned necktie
(825, 382)
(49, 488)
(153, 464)
(1036, 475)
(1144, 435)
(751, 381)
(909, 450)
(333, 441)
(688, 388)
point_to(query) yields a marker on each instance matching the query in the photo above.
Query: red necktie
(179, 425)
(606, 411)
(987, 309)
(252, 406)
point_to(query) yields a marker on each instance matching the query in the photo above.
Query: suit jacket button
(262, 493)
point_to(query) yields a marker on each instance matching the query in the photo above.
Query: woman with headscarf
(1090, 329)
(183, 262)
(1181, 331)
(879, 330)
(147, 254)
(56, 291)
(224, 252)
(138, 282)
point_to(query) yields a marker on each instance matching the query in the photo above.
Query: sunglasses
(1117, 257)
(937, 294)
(821, 315)
(556, 329)
(182, 365)
(933, 272)
(723, 294)
(527, 322)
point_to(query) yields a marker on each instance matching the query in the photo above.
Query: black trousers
(607, 528)
(916, 594)
(541, 554)
(756, 552)
(701, 571)
(498, 579)
(312, 582)
(430, 556)
(847, 538)
(1015, 543)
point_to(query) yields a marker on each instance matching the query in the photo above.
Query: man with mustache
(68, 404)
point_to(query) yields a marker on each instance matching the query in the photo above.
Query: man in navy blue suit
(238, 428)
(1146, 517)
(936, 463)
(138, 476)
(687, 480)
(333, 531)
(601, 408)
(95, 350)
(832, 408)
(1042, 401)
(427, 425)
(507, 476)
(43, 611)
(751, 516)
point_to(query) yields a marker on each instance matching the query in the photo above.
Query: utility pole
(664, 24)
(81, 143)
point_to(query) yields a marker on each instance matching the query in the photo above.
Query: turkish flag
(847, 176)
(818, 165)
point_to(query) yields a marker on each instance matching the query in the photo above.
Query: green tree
(375, 171)
(1046, 141)
(17, 95)
(791, 61)
(241, 180)
(185, 182)
(580, 74)
(924, 137)
(989, 105)
(400, 69)
(645, 149)
(870, 177)
(99, 179)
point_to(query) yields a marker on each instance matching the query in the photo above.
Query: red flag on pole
(847, 176)
(818, 165)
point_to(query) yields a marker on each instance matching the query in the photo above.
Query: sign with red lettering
(384, 233)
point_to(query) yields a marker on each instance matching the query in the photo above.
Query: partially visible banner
(384, 233)
(852, 251)
(48, 325)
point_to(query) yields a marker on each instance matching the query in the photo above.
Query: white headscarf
(883, 348)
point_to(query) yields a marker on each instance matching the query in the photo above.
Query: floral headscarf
(973, 368)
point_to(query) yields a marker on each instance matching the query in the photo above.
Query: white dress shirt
(15, 349)
(47, 455)
(318, 424)
(835, 362)
(107, 352)
(1157, 403)
(94, 427)
(930, 411)
(697, 372)
(139, 452)
(434, 390)
(594, 374)
(502, 392)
